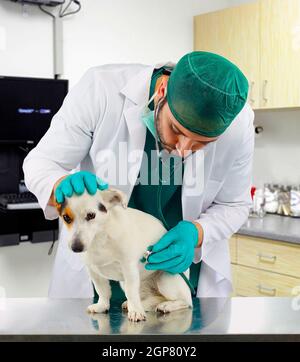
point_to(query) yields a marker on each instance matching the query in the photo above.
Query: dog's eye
(102, 208)
(90, 216)
(67, 219)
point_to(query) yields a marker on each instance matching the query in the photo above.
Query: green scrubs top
(162, 199)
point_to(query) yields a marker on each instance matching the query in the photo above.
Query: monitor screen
(27, 106)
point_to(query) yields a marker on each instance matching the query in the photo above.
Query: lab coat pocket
(210, 192)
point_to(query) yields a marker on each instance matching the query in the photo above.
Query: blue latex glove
(174, 252)
(79, 182)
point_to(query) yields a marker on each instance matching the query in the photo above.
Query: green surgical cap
(206, 92)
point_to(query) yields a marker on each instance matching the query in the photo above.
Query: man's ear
(162, 87)
(112, 197)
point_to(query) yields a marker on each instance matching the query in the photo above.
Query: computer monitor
(27, 106)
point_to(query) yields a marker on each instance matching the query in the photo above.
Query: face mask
(148, 117)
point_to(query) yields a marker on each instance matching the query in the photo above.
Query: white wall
(132, 31)
(26, 45)
(102, 32)
(277, 149)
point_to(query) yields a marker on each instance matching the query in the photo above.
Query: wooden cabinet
(233, 248)
(275, 256)
(262, 267)
(256, 282)
(280, 53)
(230, 33)
(263, 39)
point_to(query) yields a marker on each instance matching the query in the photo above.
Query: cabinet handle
(268, 258)
(266, 290)
(265, 90)
(252, 99)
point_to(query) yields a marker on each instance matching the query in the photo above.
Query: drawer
(233, 249)
(275, 256)
(234, 271)
(251, 282)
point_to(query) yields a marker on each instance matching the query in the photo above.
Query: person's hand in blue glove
(77, 183)
(174, 252)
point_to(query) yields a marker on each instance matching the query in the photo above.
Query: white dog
(112, 239)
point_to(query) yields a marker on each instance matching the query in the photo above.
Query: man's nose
(183, 145)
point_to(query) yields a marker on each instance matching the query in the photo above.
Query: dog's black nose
(77, 246)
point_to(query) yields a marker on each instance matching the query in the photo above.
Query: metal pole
(57, 46)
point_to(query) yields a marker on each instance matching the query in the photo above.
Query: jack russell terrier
(112, 239)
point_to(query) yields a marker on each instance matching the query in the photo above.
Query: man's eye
(67, 219)
(175, 130)
(90, 216)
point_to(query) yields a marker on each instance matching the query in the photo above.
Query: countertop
(213, 319)
(273, 227)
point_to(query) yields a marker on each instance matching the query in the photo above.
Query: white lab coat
(101, 111)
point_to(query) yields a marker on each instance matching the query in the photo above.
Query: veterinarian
(198, 106)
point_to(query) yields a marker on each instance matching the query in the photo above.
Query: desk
(212, 319)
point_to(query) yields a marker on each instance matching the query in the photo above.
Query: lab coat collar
(136, 92)
(138, 87)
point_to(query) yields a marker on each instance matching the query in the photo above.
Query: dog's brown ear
(113, 197)
(60, 207)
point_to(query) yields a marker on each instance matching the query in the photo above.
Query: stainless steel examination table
(211, 319)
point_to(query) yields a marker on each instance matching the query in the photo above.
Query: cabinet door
(250, 282)
(234, 274)
(233, 33)
(275, 256)
(280, 53)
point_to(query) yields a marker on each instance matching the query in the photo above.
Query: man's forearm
(200, 234)
(220, 222)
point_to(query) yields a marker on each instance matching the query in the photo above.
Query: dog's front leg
(132, 290)
(103, 289)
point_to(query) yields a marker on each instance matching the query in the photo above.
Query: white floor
(25, 269)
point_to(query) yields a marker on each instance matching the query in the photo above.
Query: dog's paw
(125, 306)
(170, 306)
(135, 316)
(98, 308)
(164, 307)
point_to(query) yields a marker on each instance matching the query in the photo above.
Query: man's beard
(171, 149)
(162, 141)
